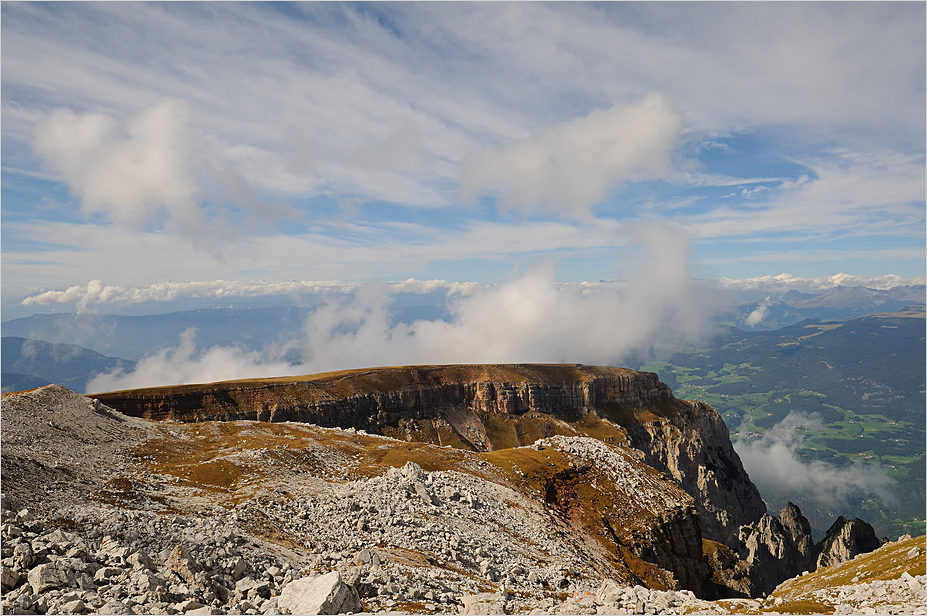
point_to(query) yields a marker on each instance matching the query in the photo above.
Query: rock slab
(325, 594)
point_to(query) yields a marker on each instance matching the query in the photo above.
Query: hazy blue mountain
(133, 337)
(33, 363)
(13, 381)
(838, 303)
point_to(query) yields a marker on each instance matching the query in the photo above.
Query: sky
(151, 151)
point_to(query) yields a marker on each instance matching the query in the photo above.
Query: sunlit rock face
(846, 539)
(780, 547)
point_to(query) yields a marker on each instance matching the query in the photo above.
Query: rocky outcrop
(779, 546)
(731, 577)
(846, 539)
(799, 529)
(693, 447)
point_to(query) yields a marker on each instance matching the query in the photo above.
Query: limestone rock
(798, 527)
(484, 603)
(325, 594)
(732, 578)
(844, 540)
(61, 573)
(778, 546)
(694, 448)
(9, 579)
(181, 562)
(115, 607)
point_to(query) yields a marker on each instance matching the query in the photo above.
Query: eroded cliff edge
(489, 407)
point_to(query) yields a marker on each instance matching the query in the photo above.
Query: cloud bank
(98, 293)
(774, 465)
(529, 318)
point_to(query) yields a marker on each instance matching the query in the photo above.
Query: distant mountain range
(133, 337)
(837, 303)
(28, 364)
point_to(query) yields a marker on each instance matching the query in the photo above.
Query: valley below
(554, 488)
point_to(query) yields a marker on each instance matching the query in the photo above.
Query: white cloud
(781, 283)
(756, 317)
(131, 178)
(184, 364)
(572, 166)
(527, 319)
(876, 193)
(773, 464)
(96, 293)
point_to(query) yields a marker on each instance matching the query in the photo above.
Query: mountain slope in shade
(31, 363)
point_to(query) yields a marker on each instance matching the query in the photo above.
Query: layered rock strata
(379, 397)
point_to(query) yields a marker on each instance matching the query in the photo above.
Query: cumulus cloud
(774, 465)
(132, 175)
(571, 167)
(530, 318)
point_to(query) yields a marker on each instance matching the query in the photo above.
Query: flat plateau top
(366, 380)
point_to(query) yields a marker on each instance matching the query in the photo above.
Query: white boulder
(325, 594)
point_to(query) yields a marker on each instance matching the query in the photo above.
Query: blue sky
(466, 142)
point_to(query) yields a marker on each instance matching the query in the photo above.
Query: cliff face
(484, 408)
(385, 396)
(693, 447)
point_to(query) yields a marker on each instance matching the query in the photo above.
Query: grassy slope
(886, 563)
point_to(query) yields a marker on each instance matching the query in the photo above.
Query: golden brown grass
(886, 563)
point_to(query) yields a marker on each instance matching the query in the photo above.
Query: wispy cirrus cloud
(291, 129)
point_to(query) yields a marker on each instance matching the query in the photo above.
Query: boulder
(609, 592)
(140, 560)
(845, 540)
(484, 603)
(182, 563)
(325, 594)
(115, 607)
(9, 579)
(23, 556)
(111, 551)
(367, 557)
(63, 572)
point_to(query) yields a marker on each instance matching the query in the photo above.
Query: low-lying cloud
(530, 318)
(774, 465)
(186, 364)
(756, 317)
